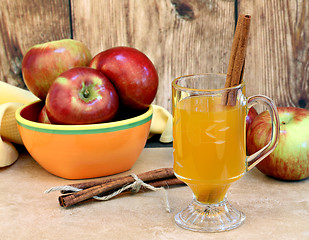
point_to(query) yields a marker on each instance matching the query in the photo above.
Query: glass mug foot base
(210, 217)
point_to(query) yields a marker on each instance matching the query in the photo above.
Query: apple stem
(283, 122)
(86, 93)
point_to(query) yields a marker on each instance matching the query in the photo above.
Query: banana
(8, 133)
(10, 93)
(8, 153)
(162, 123)
(11, 98)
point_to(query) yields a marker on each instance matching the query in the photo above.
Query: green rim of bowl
(83, 129)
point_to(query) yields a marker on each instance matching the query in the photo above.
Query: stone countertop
(274, 209)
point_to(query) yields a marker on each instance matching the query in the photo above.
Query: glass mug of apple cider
(209, 148)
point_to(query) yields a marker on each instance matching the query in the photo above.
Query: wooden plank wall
(25, 23)
(179, 36)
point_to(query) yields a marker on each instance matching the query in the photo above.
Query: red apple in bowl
(131, 72)
(290, 159)
(81, 95)
(43, 118)
(43, 63)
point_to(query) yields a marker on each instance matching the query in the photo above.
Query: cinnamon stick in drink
(237, 57)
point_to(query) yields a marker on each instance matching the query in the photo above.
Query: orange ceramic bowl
(83, 151)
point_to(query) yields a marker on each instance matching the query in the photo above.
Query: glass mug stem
(258, 156)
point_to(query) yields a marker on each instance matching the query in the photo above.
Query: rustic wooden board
(25, 23)
(277, 62)
(180, 37)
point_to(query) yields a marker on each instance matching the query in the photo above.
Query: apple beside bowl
(84, 151)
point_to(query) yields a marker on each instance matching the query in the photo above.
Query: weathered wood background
(179, 36)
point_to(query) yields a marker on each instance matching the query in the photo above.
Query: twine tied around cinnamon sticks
(108, 188)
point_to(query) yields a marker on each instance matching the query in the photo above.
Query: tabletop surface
(274, 209)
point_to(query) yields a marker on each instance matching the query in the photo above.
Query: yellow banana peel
(11, 98)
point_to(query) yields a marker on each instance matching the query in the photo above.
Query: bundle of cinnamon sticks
(237, 57)
(156, 178)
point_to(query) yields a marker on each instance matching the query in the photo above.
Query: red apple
(131, 72)
(252, 113)
(43, 63)
(43, 118)
(290, 159)
(81, 96)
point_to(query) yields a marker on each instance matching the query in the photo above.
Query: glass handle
(258, 156)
